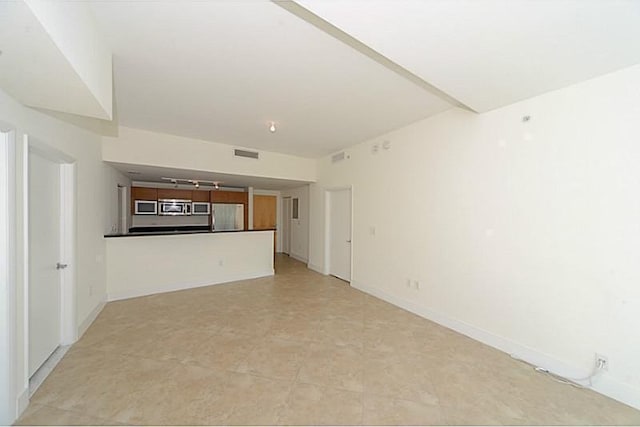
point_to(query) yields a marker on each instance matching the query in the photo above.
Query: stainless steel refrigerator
(227, 216)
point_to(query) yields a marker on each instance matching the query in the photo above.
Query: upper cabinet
(218, 196)
(214, 196)
(143, 193)
(174, 193)
(200, 196)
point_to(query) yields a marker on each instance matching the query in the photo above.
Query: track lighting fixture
(195, 182)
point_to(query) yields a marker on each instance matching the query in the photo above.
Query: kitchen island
(147, 263)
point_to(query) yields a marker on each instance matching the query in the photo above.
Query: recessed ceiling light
(272, 128)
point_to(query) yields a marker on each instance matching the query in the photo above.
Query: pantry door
(265, 213)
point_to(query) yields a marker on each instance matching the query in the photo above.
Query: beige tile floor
(297, 348)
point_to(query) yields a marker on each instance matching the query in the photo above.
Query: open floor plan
(298, 348)
(313, 212)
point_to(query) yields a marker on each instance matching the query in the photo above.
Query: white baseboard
(316, 268)
(47, 367)
(617, 390)
(134, 293)
(22, 401)
(82, 328)
(603, 384)
(299, 258)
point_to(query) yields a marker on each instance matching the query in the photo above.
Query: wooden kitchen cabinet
(143, 193)
(238, 197)
(200, 196)
(218, 196)
(174, 193)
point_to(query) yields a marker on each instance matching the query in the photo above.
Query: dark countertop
(173, 232)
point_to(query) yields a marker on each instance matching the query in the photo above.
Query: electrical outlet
(408, 283)
(220, 262)
(602, 362)
(416, 284)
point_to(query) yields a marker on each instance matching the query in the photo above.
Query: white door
(286, 225)
(44, 254)
(340, 234)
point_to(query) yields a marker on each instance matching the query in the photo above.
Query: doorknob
(61, 266)
(349, 241)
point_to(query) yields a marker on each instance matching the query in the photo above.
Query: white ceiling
(490, 53)
(155, 174)
(222, 70)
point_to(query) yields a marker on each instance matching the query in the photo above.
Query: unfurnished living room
(312, 212)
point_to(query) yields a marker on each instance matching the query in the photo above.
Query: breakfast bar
(141, 264)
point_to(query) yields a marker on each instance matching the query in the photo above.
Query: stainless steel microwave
(200, 208)
(146, 207)
(174, 207)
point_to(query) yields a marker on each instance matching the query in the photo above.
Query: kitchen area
(176, 210)
(181, 233)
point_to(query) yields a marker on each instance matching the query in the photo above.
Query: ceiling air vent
(337, 157)
(245, 153)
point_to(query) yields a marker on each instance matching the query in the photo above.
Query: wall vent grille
(338, 157)
(246, 153)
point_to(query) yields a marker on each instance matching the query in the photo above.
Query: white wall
(525, 235)
(300, 227)
(84, 147)
(74, 31)
(113, 179)
(144, 265)
(141, 147)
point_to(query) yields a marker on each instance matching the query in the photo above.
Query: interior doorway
(286, 225)
(45, 323)
(50, 270)
(338, 238)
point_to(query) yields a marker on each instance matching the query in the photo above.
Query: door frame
(327, 229)
(287, 210)
(8, 291)
(68, 329)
